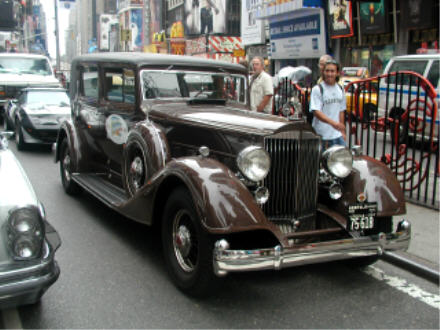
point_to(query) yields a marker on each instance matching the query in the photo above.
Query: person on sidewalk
(327, 102)
(261, 87)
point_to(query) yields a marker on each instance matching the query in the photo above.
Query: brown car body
(183, 150)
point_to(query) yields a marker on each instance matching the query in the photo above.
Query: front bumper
(226, 260)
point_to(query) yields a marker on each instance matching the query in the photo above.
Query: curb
(412, 266)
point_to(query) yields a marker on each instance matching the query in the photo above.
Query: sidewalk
(425, 232)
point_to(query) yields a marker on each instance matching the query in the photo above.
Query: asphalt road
(113, 276)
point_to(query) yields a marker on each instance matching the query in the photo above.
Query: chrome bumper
(226, 260)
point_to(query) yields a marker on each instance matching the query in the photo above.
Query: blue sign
(297, 27)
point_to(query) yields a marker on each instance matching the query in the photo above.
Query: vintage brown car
(169, 140)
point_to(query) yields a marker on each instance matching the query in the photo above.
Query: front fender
(374, 179)
(223, 203)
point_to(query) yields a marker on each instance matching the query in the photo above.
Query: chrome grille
(293, 177)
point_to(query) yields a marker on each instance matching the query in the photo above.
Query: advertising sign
(298, 35)
(373, 17)
(205, 16)
(252, 29)
(136, 28)
(340, 18)
(415, 14)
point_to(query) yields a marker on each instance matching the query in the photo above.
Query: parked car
(28, 241)
(36, 115)
(402, 95)
(20, 70)
(230, 189)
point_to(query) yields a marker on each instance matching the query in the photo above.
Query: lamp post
(57, 37)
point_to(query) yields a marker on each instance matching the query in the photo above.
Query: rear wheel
(187, 247)
(70, 186)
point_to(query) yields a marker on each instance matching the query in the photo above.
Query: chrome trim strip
(226, 260)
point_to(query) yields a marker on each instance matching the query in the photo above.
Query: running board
(106, 192)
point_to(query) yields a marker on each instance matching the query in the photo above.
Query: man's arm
(263, 103)
(324, 118)
(212, 4)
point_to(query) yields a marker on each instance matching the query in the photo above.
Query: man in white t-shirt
(261, 87)
(328, 104)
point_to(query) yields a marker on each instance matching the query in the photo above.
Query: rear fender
(374, 180)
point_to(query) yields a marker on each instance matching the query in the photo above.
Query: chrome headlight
(254, 163)
(25, 232)
(338, 161)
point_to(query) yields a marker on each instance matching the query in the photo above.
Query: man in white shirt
(261, 87)
(328, 104)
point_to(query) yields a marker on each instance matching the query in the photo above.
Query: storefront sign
(298, 35)
(340, 18)
(196, 45)
(373, 17)
(252, 29)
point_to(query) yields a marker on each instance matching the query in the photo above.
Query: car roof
(147, 59)
(417, 57)
(23, 55)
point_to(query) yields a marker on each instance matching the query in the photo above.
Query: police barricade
(394, 118)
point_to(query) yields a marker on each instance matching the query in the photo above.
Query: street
(113, 276)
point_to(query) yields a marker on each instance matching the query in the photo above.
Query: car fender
(222, 201)
(374, 181)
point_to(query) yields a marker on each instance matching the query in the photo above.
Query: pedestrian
(261, 87)
(327, 102)
(322, 60)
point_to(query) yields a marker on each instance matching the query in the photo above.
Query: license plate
(361, 216)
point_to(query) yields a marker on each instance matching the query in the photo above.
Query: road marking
(402, 285)
(11, 319)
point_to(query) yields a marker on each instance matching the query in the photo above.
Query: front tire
(21, 145)
(70, 186)
(187, 247)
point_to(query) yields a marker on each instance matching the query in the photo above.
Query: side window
(90, 86)
(416, 66)
(433, 75)
(119, 86)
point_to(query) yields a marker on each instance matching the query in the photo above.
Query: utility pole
(57, 37)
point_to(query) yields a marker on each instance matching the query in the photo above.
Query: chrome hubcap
(183, 242)
(137, 172)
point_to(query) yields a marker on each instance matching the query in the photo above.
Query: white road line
(402, 285)
(11, 319)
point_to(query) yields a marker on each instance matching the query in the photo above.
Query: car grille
(293, 178)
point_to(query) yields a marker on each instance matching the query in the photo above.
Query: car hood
(27, 80)
(222, 117)
(47, 110)
(15, 188)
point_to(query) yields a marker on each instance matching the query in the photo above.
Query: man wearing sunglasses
(328, 104)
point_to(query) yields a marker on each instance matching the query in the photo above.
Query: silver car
(27, 241)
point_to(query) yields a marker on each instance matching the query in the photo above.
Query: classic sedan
(28, 241)
(36, 115)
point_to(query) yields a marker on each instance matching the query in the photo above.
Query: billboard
(205, 16)
(252, 29)
(340, 18)
(373, 17)
(106, 21)
(298, 35)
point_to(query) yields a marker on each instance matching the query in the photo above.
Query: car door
(90, 123)
(118, 109)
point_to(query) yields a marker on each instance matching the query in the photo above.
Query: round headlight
(25, 248)
(254, 163)
(25, 220)
(338, 160)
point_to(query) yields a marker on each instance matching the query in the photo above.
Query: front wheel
(19, 140)
(187, 247)
(70, 186)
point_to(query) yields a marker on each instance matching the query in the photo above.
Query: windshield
(48, 98)
(18, 65)
(194, 85)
